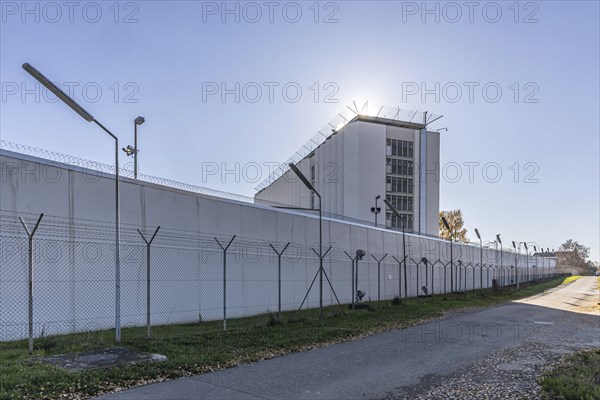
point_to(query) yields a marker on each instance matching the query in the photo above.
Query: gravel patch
(506, 374)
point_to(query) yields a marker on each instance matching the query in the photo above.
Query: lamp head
(498, 238)
(477, 233)
(139, 120)
(58, 92)
(446, 223)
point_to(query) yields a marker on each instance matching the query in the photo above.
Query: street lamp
(526, 261)
(537, 263)
(311, 188)
(501, 262)
(376, 210)
(517, 254)
(133, 150)
(403, 219)
(136, 122)
(89, 118)
(480, 261)
(445, 222)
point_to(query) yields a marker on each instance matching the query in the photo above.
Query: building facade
(367, 157)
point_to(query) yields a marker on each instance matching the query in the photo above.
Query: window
(399, 185)
(397, 166)
(401, 203)
(393, 221)
(399, 148)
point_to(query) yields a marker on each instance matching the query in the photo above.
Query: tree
(455, 220)
(574, 254)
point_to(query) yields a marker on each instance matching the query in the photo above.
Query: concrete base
(97, 359)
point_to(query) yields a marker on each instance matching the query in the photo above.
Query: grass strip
(202, 347)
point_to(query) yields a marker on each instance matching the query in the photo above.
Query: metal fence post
(353, 259)
(30, 277)
(148, 244)
(379, 274)
(399, 277)
(225, 280)
(279, 277)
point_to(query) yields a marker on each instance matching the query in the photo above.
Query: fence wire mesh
(74, 279)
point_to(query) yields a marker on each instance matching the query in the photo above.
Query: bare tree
(574, 254)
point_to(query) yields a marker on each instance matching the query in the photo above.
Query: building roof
(388, 115)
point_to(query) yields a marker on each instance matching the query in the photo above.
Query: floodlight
(129, 150)
(477, 233)
(498, 238)
(360, 254)
(514, 245)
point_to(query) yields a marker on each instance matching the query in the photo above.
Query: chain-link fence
(183, 282)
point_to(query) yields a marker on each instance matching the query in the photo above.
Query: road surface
(484, 353)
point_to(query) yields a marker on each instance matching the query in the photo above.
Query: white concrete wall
(74, 266)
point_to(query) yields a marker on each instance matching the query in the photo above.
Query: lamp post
(517, 254)
(537, 263)
(501, 263)
(133, 150)
(480, 261)
(526, 261)
(89, 118)
(311, 188)
(393, 209)
(376, 210)
(447, 225)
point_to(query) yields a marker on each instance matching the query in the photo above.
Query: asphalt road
(401, 362)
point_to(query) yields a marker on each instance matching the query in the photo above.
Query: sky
(230, 89)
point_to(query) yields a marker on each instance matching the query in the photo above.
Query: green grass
(570, 279)
(202, 347)
(576, 378)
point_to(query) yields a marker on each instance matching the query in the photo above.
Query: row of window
(393, 221)
(397, 184)
(401, 203)
(399, 167)
(399, 148)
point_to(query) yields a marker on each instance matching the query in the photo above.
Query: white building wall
(351, 171)
(74, 268)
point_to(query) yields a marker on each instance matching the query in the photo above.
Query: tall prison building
(390, 153)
